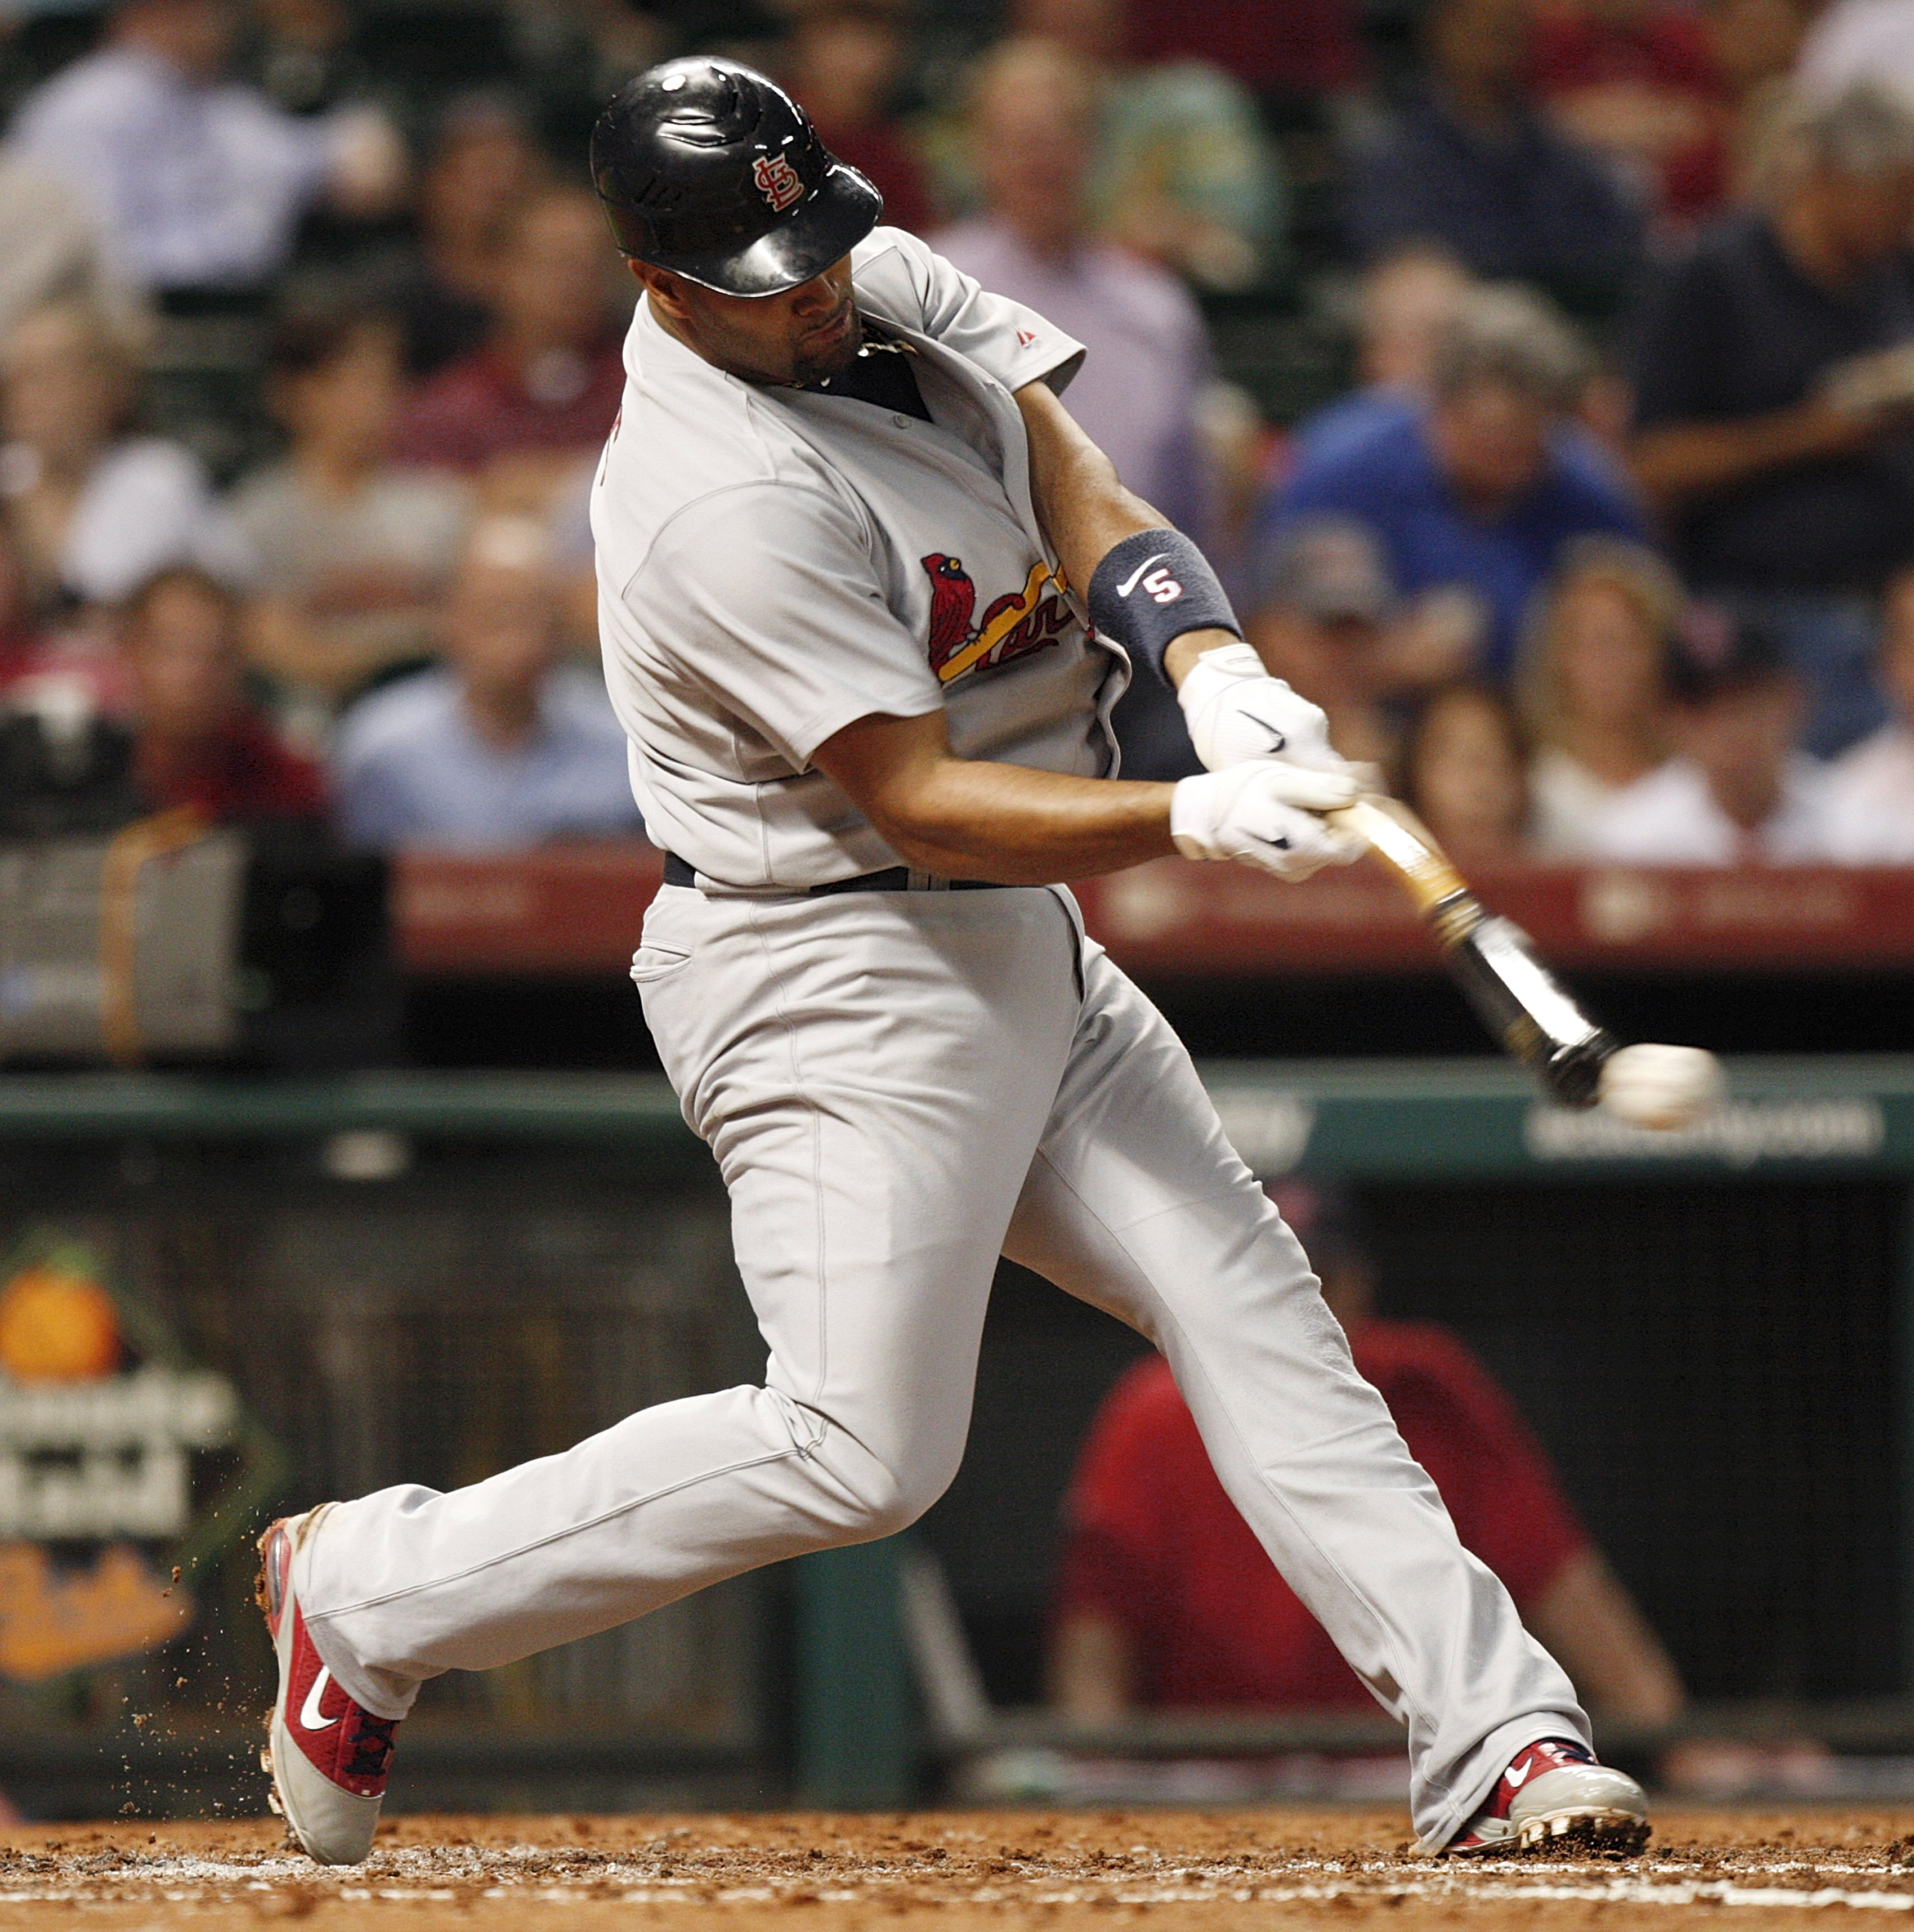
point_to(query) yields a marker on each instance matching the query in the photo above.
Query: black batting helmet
(709, 169)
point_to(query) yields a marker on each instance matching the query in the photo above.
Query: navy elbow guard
(1151, 588)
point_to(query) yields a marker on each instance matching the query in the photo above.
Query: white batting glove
(1263, 812)
(1236, 710)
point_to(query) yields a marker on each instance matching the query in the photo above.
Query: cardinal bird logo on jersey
(1016, 624)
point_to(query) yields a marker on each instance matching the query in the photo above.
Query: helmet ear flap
(709, 169)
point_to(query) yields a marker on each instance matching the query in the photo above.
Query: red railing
(573, 910)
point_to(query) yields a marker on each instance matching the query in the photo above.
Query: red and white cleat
(1554, 1794)
(328, 1756)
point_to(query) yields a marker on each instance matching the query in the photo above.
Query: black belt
(895, 879)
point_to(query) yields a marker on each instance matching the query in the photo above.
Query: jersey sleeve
(765, 596)
(907, 280)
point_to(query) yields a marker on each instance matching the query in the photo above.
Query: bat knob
(1573, 1073)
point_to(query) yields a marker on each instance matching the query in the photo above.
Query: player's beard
(832, 356)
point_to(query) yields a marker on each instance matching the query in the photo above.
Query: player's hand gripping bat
(1519, 1000)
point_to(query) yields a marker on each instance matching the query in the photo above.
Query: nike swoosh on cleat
(1518, 1778)
(1136, 577)
(311, 1718)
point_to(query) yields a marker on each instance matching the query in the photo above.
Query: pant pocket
(650, 964)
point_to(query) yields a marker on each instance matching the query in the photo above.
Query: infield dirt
(959, 1871)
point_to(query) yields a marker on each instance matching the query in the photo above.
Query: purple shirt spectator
(1136, 394)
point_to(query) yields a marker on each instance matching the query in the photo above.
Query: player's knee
(889, 1499)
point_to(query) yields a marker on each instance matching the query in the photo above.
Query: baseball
(1661, 1087)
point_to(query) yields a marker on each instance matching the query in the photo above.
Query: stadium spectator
(198, 180)
(1637, 80)
(1033, 121)
(1405, 299)
(1319, 625)
(1774, 370)
(96, 510)
(503, 746)
(1590, 682)
(351, 556)
(1737, 792)
(483, 165)
(1482, 487)
(1871, 787)
(1463, 769)
(1165, 1599)
(1327, 621)
(546, 384)
(185, 735)
(1469, 165)
(197, 740)
(1182, 173)
(844, 60)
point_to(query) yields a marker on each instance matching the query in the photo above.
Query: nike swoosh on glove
(1263, 813)
(1236, 710)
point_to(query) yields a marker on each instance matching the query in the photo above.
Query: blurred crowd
(1593, 528)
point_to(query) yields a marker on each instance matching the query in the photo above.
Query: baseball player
(867, 597)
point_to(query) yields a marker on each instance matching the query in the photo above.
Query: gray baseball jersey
(775, 563)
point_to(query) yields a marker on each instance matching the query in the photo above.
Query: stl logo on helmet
(777, 180)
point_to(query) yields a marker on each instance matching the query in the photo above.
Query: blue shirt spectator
(1468, 165)
(413, 768)
(1481, 487)
(197, 181)
(504, 747)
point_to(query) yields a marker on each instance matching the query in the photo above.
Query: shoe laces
(372, 1746)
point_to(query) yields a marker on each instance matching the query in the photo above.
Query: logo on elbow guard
(1013, 625)
(1159, 585)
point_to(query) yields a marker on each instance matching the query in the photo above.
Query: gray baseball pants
(898, 1087)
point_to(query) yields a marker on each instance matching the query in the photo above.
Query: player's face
(806, 334)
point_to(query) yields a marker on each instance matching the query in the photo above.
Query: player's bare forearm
(1080, 499)
(964, 818)
(1084, 509)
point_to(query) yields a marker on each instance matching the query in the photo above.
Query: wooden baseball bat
(1516, 996)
